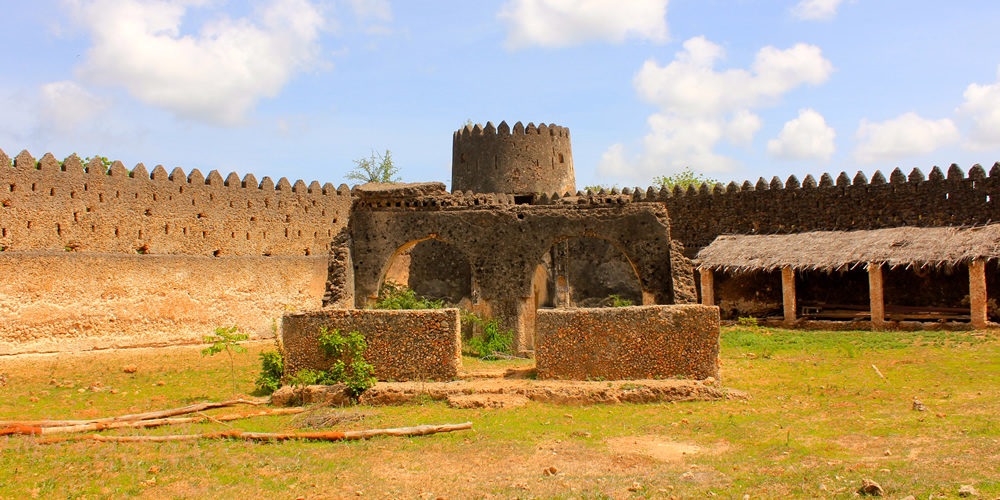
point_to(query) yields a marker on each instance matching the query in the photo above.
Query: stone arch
(433, 268)
(583, 271)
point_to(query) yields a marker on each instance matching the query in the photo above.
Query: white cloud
(65, 105)
(562, 23)
(804, 138)
(216, 75)
(903, 136)
(701, 106)
(982, 103)
(690, 84)
(378, 9)
(816, 10)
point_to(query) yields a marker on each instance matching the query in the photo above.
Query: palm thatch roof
(833, 250)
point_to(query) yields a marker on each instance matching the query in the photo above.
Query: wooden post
(707, 287)
(977, 293)
(788, 293)
(876, 295)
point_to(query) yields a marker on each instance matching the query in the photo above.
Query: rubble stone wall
(402, 345)
(628, 343)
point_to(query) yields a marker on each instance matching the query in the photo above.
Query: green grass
(820, 419)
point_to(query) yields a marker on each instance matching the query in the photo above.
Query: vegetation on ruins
(228, 341)
(348, 367)
(494, 340)
(618, 301)
(598, 187)
(376, 168)
(685, 178)
(392, 295)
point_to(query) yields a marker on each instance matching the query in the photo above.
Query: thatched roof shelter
(833, 250)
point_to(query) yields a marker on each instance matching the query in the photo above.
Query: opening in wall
(523, 199)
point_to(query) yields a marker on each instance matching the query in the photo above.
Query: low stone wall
(75, 301)
(628, 343)
(402, 345)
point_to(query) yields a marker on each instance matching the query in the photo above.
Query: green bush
(349, 365)
(395, 296)
(618, 301)
(493, 341)
(272, 369)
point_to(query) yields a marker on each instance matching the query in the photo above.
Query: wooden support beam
(977, 293)
(788, 293)
(876, 295)
(707, 287)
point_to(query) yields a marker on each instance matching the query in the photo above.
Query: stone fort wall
(97, 257)
(699, 214)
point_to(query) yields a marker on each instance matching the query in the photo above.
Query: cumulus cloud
(562, 23)
(700, 106)
(216, 75)
(65, 104)
(378, 9)
(903, 136)
(816, 10)
(982, 103)
(804, 138)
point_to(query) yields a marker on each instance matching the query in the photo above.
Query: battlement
(520, 161)
(700, 214)
(504, 130)
(50, 205)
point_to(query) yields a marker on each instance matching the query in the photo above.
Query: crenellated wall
(48, 206)
(97, 258)
(699, 214)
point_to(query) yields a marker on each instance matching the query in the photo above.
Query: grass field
(820, 419)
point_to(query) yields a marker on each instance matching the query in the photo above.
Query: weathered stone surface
(622, 343)
(400, 189)
(421, 344)
(71, 301)
(505, 244)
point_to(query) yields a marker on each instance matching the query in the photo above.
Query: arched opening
(585, 272)
(433, 269)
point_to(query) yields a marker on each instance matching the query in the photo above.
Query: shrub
(618, 301)
(493, 341)
(395, 296)
(349, 365)
(272, 369)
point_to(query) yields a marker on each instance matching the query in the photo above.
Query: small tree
(683, 179)
(377, 168)
(227, 340)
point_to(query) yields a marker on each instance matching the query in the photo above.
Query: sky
(732, 89)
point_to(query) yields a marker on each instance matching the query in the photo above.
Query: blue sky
(735, 89)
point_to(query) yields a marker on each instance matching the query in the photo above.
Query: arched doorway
(433, 269)
(586, 272)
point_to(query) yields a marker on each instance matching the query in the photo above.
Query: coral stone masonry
(622, 343)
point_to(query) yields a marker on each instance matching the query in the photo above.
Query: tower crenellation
(520, 161)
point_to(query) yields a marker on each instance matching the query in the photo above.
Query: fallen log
(146, 424)
(420, 430)
(152, 415)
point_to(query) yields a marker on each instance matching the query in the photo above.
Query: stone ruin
(99, 257)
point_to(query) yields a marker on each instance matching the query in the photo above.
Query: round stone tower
(522, 161)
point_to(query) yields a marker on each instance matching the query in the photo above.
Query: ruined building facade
(98, 257)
